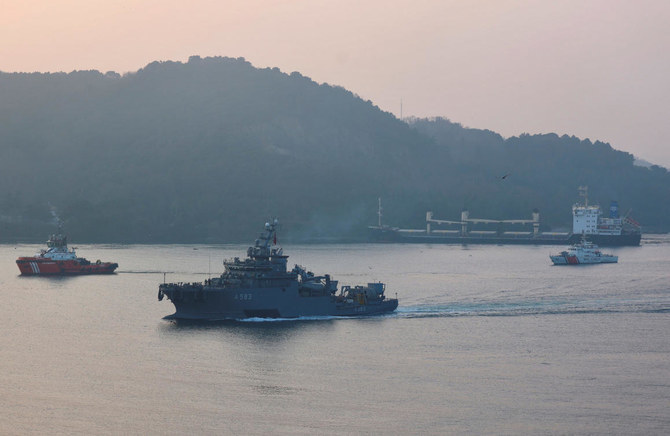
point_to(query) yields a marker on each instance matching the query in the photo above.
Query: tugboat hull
(35, 266)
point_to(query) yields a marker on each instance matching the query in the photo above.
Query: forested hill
(206, 151)
(544, 172)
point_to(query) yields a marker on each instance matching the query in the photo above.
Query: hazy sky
(595, 69)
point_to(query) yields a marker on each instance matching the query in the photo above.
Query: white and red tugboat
(584, 252)
(58, 260)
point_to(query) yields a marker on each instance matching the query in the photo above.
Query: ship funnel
(614, 209)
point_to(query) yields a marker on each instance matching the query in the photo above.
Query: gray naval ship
(261, 287)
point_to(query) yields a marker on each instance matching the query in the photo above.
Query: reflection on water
(256, 328)
(273, 390)
(524, 308)
(47, 282)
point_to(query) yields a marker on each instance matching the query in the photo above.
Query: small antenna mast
(584, 192)
(379, 211)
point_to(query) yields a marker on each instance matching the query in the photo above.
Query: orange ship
(58, 260)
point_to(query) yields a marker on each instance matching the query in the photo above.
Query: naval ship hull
(211, 303)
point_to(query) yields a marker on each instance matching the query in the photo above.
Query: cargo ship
(56, 259)
(587, 219)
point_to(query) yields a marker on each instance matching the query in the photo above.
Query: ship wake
(534, 308)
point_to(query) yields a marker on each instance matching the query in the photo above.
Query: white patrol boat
(584, 252)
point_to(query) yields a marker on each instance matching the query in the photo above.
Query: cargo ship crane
(465, 220)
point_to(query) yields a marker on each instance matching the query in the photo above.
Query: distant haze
(594, 69)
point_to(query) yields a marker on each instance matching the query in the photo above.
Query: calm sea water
(487, 340)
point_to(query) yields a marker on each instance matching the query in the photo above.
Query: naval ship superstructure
(260, 286)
